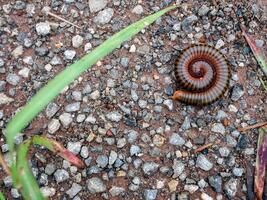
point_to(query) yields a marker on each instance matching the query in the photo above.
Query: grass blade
(258, 53)
(55, 86)
(28, 185)
(261, 160)
(263, 84)
(2, 197)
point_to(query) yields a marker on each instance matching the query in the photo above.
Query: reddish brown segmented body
(203, 73)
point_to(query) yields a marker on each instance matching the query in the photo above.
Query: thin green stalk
(2, 197)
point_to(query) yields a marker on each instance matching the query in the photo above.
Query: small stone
(61, 175)
(48, 191)
(24, 72)
(132, 49)
(114, 116)
(178, 168)
(203, 10)
(74, 190)
(8, 181)
(95, 185)
(95, 95)
(13, 79)
(121, 143)
(177, 27)
(104, 16)
(216, 183)
(1, 62)
(102, 161)
(219, 44)
(186, 124)
(135, 150)
(91, 119)
(53, 126)
(191, 188)
(97, 5)
(205, 196)
(188, 22)
(116, 191)
(150, 168)
(43, 28)
(77, 41)
(169, 104)
(125, 62)
(173, 185)
(50, 169)
(142, 103)
(56, 60)
(112, 157)
(51, 109)
(230, 188)
(158, 140)
(238, 171)
(65, 119)
(237, 92)
(221, 115)
(5, 99)
(218, 128)
(138, 10)
(134, 95)
(74, 147)
(203, 163)
(224, 151)
(15, 193)
(150, 194)
(84, 152)
(177, 140)
(73, 107)
(69, 54)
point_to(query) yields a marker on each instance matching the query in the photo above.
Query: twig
(252, 126)
(4, 164)
(203, 147)
(62, 19)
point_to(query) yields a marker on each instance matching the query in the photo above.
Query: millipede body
(203, 74)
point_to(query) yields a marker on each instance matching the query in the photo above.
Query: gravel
(61, 175)
(74, 190)
(43, 28)
(149, 168)
(230, 188)
(150, 194)
(95, 185)
(176, 139)
(203, 163)
(97, 5)
(104, 16)
(74, 147)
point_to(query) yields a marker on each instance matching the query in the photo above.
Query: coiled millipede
(203, 74)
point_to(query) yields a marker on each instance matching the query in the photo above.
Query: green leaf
(2, 197)
(56, 85)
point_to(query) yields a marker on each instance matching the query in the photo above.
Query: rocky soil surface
(118, 116)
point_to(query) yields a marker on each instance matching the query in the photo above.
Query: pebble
(102, 161)
(77, 41)
(218, 128)
(48, 191)
(188, 22)
(51, 109)
(205, 196)
(178, 168)
(238, 171)
(104, 16)
(116, 191)
(138, 10)
(65, 119)
(95, 185)
(53, 126)
(220, 43)
(73, 107)
(114, 116)
(112, 157)
(74, 190)
(142, 103)
(50, 168)
(43, 28)
(230, 188)
(74, 147)
(150, 168)
(97, 5)
(224, 151)
(135, 150)
(15, 193)
(191, 188)
(173, 185)
(2, 62)
(61, 175)
(69, 54)
(13, 79)
(169, 104)
(5, 99)
(215, 182)
(203, 163)
(203, 10)
(237, 92)
(176, 140)
(186, 124)
(150, 194)
(24, 72)
(95, 95)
